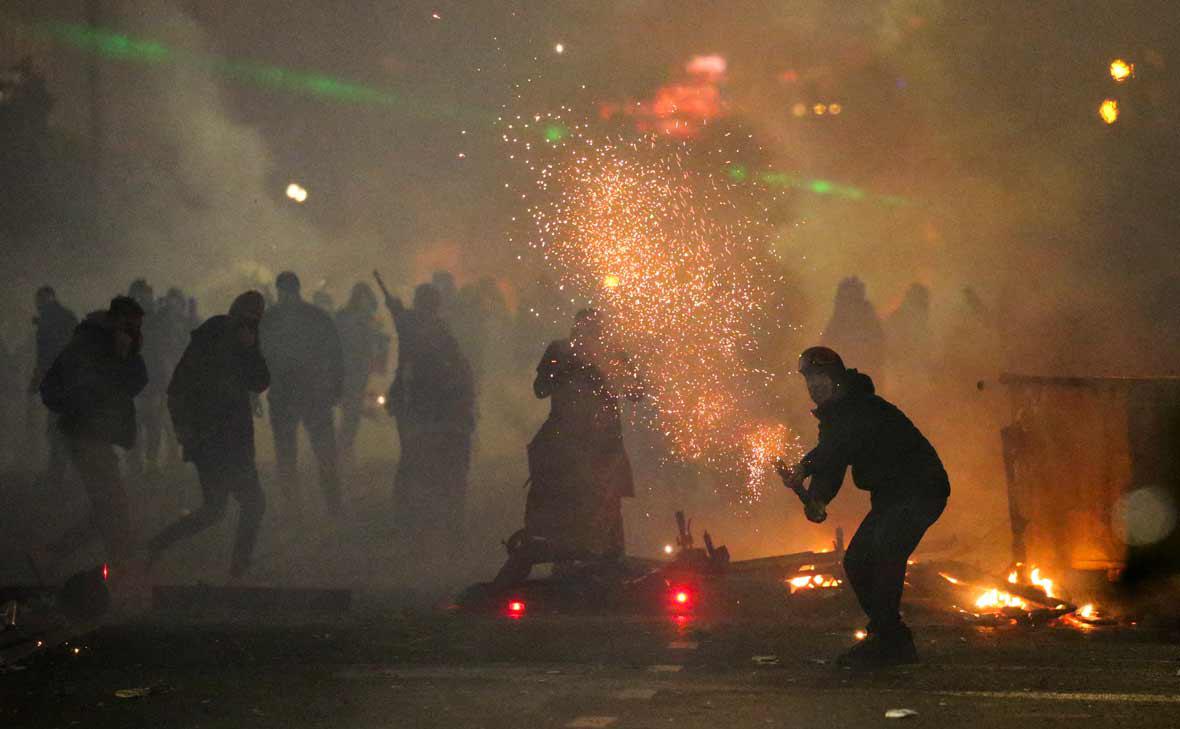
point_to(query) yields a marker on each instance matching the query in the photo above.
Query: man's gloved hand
(816, 511)
(792, 476)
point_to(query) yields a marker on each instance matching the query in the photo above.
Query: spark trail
(680, 273)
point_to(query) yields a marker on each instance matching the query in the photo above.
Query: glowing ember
(1120, 70)
(992, 599)
(813, 582)
(1109, 111)
(860, 634)
(610, 281)
(1034, 579)
(1087, 611)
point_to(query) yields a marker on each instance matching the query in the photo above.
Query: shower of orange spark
(681, 277)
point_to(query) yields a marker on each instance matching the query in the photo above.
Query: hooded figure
(578, 466)
(91, 387)
(893, 461)
(212, 415)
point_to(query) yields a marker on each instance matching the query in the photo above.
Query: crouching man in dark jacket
(209, 401)
(91, 387)
(893, 461)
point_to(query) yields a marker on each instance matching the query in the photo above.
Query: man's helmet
(821, 360)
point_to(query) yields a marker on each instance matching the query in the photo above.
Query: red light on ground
(681, 598)
(516, 607)
(106, 572)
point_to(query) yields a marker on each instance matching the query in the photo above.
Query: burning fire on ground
(810, 579)
(1031, 594)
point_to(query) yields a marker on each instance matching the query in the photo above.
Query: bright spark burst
(1109, 111)
(680, 274)
(1120, 70)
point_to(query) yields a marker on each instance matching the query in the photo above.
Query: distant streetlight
(297, 192)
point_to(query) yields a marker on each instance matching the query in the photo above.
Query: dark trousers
(58, 457)
(351, 406)
(218, 480)
(146, 453)
(98, 466)
(430, 489)
(875, 562)
(285, 417)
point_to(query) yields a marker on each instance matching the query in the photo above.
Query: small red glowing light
(680, 598)
(106, 572)
(516, 607)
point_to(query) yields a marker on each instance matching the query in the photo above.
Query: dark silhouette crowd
(146, 384)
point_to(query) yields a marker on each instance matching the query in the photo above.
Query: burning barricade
(1026, 596)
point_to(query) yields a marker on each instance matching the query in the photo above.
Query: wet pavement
(384, 666)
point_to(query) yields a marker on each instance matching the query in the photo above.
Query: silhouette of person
(209, 399)
(302, 351)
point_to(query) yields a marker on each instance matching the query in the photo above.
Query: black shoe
(881, 650)
(861, 655)
(897, 648)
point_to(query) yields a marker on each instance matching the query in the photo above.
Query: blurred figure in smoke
(302, 350)
(854, 328)
(146, 454)
(54, 325)
(359, 340)
(893, 461)
(907, 331)
(444, 283)
(480, 319)
(177, 325)
(578, 466)
(973, 342)
(323, 301)
(433, 400)
(92, 387)
(209, 400)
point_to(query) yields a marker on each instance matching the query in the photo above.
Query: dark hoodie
(92, 388)
(209, 395)
(889, 456)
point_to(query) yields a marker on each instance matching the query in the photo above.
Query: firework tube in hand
(815, 510)
(393, 303)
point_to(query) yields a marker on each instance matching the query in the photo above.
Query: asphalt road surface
(381, 665)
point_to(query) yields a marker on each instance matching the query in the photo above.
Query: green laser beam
(118, 46)
(771, 178)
